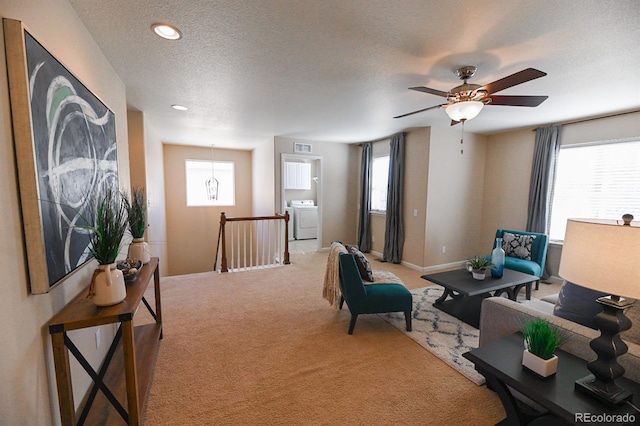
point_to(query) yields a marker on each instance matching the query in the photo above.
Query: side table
(132, 354)
(500, 362)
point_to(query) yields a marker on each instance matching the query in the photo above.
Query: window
(206, 178)
(596, 181)
(379, 180)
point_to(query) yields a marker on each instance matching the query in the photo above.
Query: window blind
(600, 181)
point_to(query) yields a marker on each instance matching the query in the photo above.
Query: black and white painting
(74, 149)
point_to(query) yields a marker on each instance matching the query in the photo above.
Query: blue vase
(497, 258)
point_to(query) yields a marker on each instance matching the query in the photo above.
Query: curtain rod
(584, 120)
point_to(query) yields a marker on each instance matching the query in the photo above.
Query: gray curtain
(394, 230)
(364, 227)
(543, 173)
(542, 177)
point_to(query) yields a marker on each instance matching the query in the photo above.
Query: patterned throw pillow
(364, 267)
(517, 245)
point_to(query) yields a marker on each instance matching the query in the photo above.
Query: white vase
(542, 367)
(108, 285)
(139, 249)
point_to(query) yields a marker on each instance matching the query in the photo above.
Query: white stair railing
(254, 242)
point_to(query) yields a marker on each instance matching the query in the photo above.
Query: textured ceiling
(338, 70)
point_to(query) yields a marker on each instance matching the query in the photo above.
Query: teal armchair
(371, 298)
(539, 247)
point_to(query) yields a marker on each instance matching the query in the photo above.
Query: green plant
(480, 263)
(109, 217)
(137, 212)
(541, 339)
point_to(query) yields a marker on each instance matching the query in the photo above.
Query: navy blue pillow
(578, 304)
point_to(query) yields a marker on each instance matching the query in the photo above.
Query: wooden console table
(131, 367)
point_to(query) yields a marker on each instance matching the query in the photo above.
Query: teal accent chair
(535, 266)
(370, 298)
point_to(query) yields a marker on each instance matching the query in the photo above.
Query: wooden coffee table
(467, 293)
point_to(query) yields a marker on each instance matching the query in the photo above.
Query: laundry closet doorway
(301, 189)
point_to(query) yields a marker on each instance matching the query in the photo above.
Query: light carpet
(264, 348)
(440, 333)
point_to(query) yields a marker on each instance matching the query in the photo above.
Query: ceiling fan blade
(523, 101)
(513, 79)
(430, 91)
(420, 110)
(454, 122)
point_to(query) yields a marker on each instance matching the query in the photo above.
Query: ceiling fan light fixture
(466, 110)
(166, 31)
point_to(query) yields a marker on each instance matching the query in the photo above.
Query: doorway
(305, 192)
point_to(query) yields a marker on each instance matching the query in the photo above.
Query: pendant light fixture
(212, 184)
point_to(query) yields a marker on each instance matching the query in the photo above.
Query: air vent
(303, 148)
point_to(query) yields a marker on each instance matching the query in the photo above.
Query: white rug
(442, 334)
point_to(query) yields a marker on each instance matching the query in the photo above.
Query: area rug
(440, 333)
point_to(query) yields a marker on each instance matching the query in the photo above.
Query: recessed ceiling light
(179, 107)
(166, 31)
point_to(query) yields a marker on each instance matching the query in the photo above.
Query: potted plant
(109, 224)
(479, 266)
(541, 342)
(137, 219)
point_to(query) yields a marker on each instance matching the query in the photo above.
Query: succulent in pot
(137, 213)
(479, 266)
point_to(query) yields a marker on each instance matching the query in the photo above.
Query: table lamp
(604, 255)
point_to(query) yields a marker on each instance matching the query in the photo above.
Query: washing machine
(305, 219)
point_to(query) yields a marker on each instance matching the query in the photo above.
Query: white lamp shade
(464, 110)
(603, 256)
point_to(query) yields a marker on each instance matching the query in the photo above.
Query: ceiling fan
(467, 100)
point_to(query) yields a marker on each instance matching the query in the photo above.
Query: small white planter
(479, 275)
(542, 367)
(139, 249)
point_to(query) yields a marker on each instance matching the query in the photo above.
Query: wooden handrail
(223, 243)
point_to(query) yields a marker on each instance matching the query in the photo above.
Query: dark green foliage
(137, 211)
(110, 224)
(542, 340)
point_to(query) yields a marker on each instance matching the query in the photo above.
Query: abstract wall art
(65, 144)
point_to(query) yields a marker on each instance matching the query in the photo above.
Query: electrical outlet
(415, 212)
(373, 238)
(444, 249)
(98, 339)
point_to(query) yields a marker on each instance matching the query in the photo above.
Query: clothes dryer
(305, 222)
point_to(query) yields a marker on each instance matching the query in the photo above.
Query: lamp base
(608, 347)
(609, 393)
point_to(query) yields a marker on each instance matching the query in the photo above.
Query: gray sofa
(500, 317)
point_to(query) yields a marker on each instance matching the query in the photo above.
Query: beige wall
(27, 390)
(145, 159)
(455, 194)
(192, 232)
(506, 184)
(263, 166)
(338, 187)
(416, 179)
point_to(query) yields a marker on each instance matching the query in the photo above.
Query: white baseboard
(435, 268)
